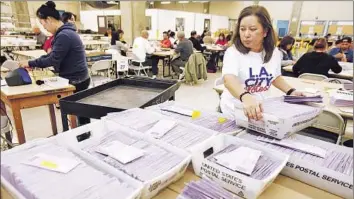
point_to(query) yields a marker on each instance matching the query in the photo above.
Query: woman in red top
(165, 43)
(47, 46)
(222, 40)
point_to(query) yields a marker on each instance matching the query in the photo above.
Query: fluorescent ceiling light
(183, 1)
(112, 2)
(151, 3)
(200, 1)
(165, 2)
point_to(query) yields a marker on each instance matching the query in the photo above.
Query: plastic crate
(7, 183)
(100, 128)
(240, 184)
(116, 96)
(311, 172)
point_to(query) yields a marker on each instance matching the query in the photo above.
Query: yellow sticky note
(195, 114)
(222, 120)
(49, 164)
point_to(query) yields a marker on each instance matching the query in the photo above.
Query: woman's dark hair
(264, 19)
(339, 41)
(223, 36)
(172, 34)
(66, 16)
(48, 10)
(286, 41)
(320, 43)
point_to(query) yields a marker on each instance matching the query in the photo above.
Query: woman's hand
(252, 108)
(297, 93)
(24, 64)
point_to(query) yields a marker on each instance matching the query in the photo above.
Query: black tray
(116, 96)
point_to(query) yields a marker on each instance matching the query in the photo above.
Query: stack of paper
(182, 135)
(333, 159)
(280, 119)
(303, 99)
(264, 165)
(207, 119)
(348, 86)
(204, 189)
(45, 170)
(342, 98)
(154, 162)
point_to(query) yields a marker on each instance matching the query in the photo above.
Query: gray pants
(176, 64)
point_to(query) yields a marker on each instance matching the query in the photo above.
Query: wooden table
(283, 187)
(29, 96)
(29, 54)
(162, 55)
(345, 74)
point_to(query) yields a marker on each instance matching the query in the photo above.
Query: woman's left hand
(297, 93)
(24, 64)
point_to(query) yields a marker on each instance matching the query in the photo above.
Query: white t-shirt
(141, 47)
(256, 76)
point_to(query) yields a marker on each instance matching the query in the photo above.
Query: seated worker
(185, 49)
(318, 61)
(142, 51)
(172, 38)
(195, 42)
(116, 43)
(285, 46)
(344, 53)
(165, 43)
(221, 40)
(207, 39)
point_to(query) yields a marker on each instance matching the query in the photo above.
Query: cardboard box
(99, 129)
(238, 183)
(314, 174)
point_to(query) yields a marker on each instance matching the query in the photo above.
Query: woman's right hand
(252, 108)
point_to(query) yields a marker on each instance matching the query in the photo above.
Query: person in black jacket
(318, 61)
(68, 55)
(196, 43)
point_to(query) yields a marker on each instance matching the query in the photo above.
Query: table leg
(53, 120)
(16, 112)
(163, 67)
(169, 65)
(64, 121)
(73, 122)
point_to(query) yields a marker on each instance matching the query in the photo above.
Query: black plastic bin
(116, 96)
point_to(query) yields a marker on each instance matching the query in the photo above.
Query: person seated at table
(285, 46)
(68, 17)
(185, 49)
(252, 65)
(337, 44)
(221, 40)
(343, 53)
(318, 61)
(68, 55)
(208, 40)
(47, 46)
(165, 43)
(172, 38)
(116, 42)
(196, 44)
(229, 36)
(40, 36)
(142, 51)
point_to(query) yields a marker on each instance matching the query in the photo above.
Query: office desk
(28, 54)
(29, 96)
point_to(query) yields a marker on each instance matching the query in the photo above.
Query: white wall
(89, 17)
(327, 10)
(278, 10)
(218, 22)
(199, 22)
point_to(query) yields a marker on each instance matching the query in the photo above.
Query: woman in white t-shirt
(252, 64)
